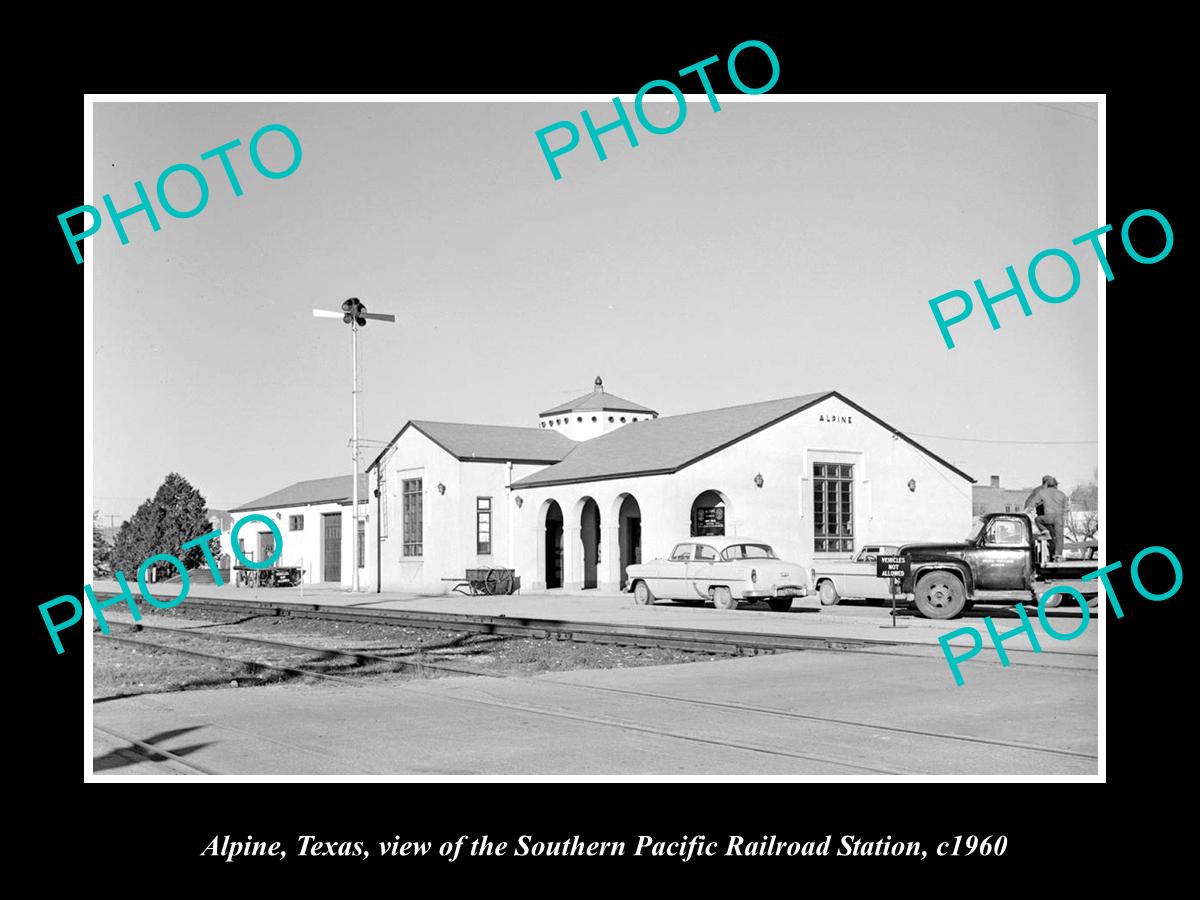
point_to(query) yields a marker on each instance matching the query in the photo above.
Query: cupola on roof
(599, 399)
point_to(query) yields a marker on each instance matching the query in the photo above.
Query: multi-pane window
(295, 523)
(413, 500)
(483, 525)
(833, 507)
(362, 543)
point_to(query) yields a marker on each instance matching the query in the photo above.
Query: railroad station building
(601, 482)
(313, 518)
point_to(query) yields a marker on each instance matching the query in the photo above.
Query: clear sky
(766, 250)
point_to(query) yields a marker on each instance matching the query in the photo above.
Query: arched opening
(554, 545)
(629, 534)
(710, 510)
(589, 534)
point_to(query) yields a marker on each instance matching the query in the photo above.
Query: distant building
(219, 519)
(991, 498)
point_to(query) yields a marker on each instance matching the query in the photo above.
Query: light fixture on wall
(520, 502)
(278, 517)
(441, 488)
(758, 479)
(912, 484)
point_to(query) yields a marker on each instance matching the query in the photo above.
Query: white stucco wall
(300, 548)
(780, 512)
(449, 525)
(585, 425)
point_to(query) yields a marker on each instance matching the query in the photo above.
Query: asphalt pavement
(890, 711)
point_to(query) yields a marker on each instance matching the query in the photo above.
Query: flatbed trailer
(273, 576)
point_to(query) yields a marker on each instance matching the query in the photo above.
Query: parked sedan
(725, 570)
(838, 578)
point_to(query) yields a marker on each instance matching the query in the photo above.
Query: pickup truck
(1005, 559)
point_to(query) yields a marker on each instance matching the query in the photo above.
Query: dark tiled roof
(667, 444)
(596, 400)
(493, 443)
(304, 493)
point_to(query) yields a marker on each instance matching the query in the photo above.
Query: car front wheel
(642, 595)
(940, 595)
(723, 598)
(828, 593)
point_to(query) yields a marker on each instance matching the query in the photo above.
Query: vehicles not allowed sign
(892, 566)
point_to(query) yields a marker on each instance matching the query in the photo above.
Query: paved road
(807, 713)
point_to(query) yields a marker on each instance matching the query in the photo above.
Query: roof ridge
(473, 424)
(280, 498)
(808, 398)
(576, 405)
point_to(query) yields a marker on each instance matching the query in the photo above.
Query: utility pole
(355, 315)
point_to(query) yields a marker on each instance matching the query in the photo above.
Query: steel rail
(229, 659)
(411, 662)
(710, 640)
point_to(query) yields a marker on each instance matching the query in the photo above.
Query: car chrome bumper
(791, 590)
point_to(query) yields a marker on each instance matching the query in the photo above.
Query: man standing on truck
(1053, 512)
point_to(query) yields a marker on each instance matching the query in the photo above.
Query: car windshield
(976, 527)
(748, 551)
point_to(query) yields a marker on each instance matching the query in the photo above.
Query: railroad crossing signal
(355, 315)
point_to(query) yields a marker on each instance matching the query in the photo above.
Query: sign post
(894, 568)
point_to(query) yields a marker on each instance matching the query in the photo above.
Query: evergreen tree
(174, 515)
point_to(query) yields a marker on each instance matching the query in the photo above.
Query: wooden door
(333, 547)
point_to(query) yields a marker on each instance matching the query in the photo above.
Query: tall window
(833, 507)
(413, 516)
(383, 502)
(483, 525)
(362, 543)
(295, 523)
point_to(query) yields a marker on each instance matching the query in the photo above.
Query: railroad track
(416, 662)
(697, 639)
(731, 643)
(726, 706)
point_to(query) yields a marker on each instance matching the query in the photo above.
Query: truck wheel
(780, 604)
(828, 593)
(723, 598)
(940, 595)
(642, 595)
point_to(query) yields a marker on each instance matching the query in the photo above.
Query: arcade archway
(589, 535)
(629, 534)
(710, 512)
(554, 545)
